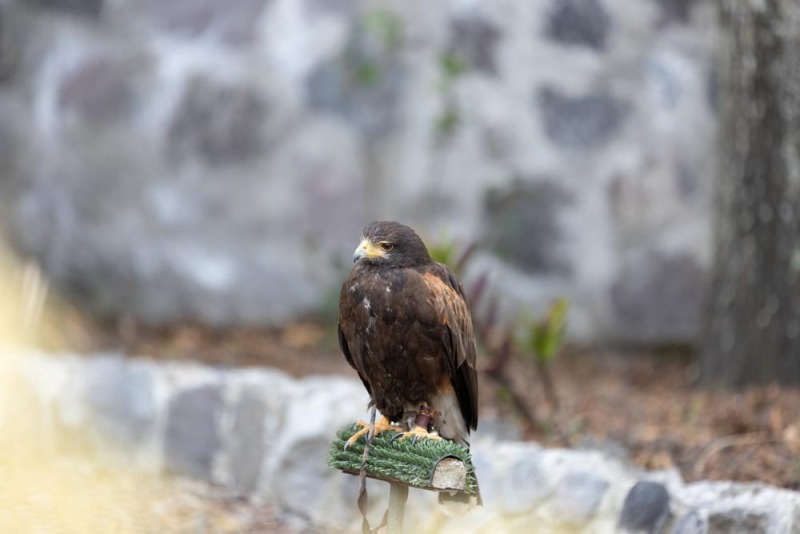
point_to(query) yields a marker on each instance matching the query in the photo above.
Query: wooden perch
(450, 474)
(436, 465)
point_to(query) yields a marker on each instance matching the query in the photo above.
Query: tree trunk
(752, 332)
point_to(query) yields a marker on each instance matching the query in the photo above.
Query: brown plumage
(405, 326)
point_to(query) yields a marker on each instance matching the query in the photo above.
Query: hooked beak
(366, 249)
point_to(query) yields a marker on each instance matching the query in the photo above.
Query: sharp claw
(414, 439)
(397, 436)
(347, 444)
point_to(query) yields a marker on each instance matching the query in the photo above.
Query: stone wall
(216, 160)
(266, 436)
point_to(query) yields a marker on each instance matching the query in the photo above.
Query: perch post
(398, 495)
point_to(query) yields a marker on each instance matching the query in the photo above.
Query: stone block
(473, 41)
(296, 475)
(251, 426)
(693, 522)
(741, 520)
(658, 296)
(104, 89)
(89, 8)
(247, 450)
(524, 484)
(524, 225)
(233, 22)
(580, 122)
(580, 23)
(577, 497)
(192, 439)
(122, 396)
(217, 124)
(646, 507)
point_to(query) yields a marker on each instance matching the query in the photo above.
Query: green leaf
(547, 335)
(386, 25)
(444, 252)
(452, 65)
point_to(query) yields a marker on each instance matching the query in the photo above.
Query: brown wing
(457, 337)
(349, 357)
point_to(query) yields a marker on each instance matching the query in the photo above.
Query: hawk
(405, 327)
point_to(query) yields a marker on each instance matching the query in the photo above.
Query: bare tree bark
(752, 332)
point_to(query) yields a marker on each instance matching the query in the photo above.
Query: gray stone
(492, 491)
(302, 475)
(676, 10)
(646, 507)
(121, 395)
(234, 22)
(296, 476)
(191, 439)
(473, 40)
(217, 124)
(345, 8)
(501, 429)
(693, 522)
(658, 297)
(577, 497)
(579, 22)
(524, 486)
(523, 225)
(248, 449)
(581, 122)
(91, 8)
(739, 520)
(104, 88)
(11, 33)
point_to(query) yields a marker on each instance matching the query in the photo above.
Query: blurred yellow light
(51, 480)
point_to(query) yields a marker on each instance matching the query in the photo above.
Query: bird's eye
(386, 246)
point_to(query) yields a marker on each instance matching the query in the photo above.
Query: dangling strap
(362, 482)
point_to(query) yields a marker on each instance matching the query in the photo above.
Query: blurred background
(215, 161)
(187, 180)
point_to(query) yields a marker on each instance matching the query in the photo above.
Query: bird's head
(390, 243)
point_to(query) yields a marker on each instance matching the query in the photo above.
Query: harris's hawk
(405, 326)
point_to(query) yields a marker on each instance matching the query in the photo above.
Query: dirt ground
(641, 402)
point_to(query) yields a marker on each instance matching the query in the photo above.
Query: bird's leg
(418, 424)
(381, 425)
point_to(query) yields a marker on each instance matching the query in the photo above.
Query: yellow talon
(381, 425)
(415, 434)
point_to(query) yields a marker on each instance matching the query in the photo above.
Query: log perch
(434, 465)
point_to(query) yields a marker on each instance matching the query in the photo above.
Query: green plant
(451, 67)
(385, 25)
(544, 339)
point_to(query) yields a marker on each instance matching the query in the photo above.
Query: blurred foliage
(367, 73)
(381, 34)
(444, 252)
(451, 67)
(385, 25)
(541, 337)
(448, 122)
(545, 337)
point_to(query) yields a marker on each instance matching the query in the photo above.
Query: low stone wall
(267, 435)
